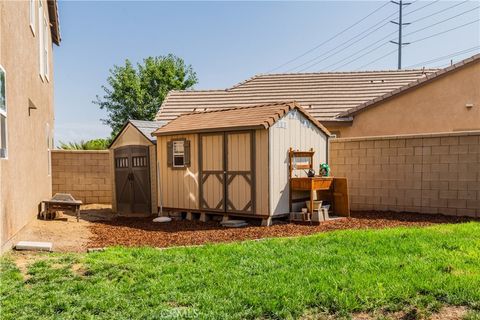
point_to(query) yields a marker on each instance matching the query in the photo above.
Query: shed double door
(132, 179)
(227, 178)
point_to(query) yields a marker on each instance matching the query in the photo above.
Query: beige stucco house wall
(25, 175)
(447, 103)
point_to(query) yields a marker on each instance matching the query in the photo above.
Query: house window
(45, 48)
(41, 42)
(32, 16)
(3, 115)
(179, 153)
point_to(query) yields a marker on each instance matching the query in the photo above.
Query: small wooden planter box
(315, 183)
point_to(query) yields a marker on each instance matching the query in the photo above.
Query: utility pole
(400, 24)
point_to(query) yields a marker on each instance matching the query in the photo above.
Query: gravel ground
(142, 232)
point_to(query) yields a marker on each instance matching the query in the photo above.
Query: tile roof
(416, 83)
(251, 117)
(324, 95)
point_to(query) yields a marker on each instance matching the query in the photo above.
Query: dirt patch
(23, 260)
(445, 313)
(66, 234)
(142, 232)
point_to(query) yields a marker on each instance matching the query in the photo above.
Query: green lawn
(337, 273)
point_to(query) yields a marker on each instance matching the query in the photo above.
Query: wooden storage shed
(133, 159)
(234, 162)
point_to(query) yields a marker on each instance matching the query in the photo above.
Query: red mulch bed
(143, 232)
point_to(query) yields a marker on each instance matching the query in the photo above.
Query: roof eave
(229, 129)
(54, 21)
(413, 85)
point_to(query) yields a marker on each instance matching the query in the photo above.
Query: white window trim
(176, 154)
(4, 113)
(41, 42)
(33, 14)
(46, 52)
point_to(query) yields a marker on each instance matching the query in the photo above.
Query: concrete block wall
(85, 174)
(434, 173)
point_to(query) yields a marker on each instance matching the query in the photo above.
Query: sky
(228, 42)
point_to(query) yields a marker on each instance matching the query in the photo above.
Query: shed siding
(212, 160)
(178, 187)
(130, 136)
(294, 131)
(261, 177)
(239, 158)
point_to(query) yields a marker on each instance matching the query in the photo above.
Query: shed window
(139, 161)
(3, 115)
(179, 153)
(121, 162)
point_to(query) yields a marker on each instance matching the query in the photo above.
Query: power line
(421, 8)
(309, 62)
(329, 39)
(446, 31)
(334, 53)
(358, 51)
(387, 18)
(317, 62)
(418, 40)
(445, 57)
(443, 10)
(363, 55)
(440, 22)
(377, 59)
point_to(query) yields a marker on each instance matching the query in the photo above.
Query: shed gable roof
(146, 128)
(252, 117)
(325, 95)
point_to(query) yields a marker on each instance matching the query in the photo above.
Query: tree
(95, 144)
(137, 93)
